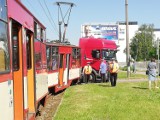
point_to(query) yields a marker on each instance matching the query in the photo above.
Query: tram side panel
(41, 73)
(6, 78)
(52, 65)
(6, 92)
(75, 69)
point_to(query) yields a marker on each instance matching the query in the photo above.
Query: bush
(125, 68)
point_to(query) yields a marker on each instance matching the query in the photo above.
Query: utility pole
(158, 53)
(127, 40)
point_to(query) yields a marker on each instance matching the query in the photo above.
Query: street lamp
(137, 49)
(158, 53)
(127, 40)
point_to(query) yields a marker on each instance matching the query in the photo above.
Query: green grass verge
(123, 75)
(126, 101)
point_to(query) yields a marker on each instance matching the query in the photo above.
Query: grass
(123, 75)
(126, 101)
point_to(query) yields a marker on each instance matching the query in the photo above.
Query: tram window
(35, 30)
(67, 60)
(49, 62)
(41, 34)
(29, 60)
(4, 54)
(78, 53)
(15, 53)
(44, 34)
(3, 11)
(38, 32)
(74, 53)
(54, 62)
(75, 57)
(55, 58)
(78, 57)
(61, 61)
(38, 60)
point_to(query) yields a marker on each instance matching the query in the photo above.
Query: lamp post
(127, 40)
(137, 49)
(145, 59)
(158, 53)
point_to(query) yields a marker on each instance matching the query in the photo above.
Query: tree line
(143, 46)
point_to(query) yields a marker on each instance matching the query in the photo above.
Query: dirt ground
(52, 103)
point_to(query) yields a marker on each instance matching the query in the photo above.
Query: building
(156, 34)
(133, 27)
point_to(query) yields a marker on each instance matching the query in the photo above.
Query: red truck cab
(93, 50)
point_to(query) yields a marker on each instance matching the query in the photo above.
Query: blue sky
(86, 11)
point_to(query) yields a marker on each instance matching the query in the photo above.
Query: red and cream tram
(63, 63)
(30, 67)
(23, 84)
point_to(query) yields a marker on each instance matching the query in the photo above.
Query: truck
(95, 49)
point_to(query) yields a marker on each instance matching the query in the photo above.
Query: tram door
(30, 71)
(67, 65)
(61, 70)
(17, 61)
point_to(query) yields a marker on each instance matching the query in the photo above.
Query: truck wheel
(92, 78)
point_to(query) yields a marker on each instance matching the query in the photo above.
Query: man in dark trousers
(113, 68)
(87, 70)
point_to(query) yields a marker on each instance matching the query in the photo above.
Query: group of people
(113, 67)
(105, 68)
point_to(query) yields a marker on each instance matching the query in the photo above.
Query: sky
(92, 11)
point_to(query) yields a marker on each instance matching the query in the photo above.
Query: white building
(157, 34)
(133, 27)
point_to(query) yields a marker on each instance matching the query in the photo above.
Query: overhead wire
(50, 15)
(38, 14)
(47, 16)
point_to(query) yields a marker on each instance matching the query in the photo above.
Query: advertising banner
(109, 32)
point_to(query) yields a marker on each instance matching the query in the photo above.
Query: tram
(27, 70)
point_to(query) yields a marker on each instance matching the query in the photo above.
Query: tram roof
(12, 2)
(60, 44)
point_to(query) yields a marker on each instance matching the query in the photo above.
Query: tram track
(48, 111)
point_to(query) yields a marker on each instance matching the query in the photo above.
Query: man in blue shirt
(103, 70)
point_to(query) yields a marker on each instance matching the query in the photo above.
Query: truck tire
(92, 78)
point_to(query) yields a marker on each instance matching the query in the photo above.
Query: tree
(142, 47)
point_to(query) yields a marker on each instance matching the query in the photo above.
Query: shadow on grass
(140, 88)
(103, 85)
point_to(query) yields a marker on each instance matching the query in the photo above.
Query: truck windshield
(108, 54)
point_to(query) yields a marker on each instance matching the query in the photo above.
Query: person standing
(134, 67)
(113, 68)
(103, 70)
(152, 73)
(87, 70)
